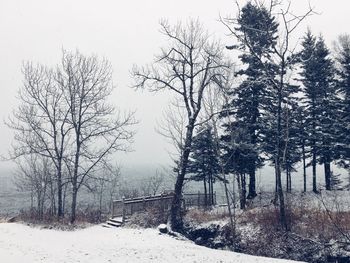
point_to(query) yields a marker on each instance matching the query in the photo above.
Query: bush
(150, 218)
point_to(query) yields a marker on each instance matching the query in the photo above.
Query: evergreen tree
(343, 59)
(239, 154)
(329, 109)
(204, 162)
(250, 98)
(309, 79)
(321, 104)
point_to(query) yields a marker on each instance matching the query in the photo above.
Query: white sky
(125, 32)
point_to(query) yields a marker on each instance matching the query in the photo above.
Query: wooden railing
(126, 207)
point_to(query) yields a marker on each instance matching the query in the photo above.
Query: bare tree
(40, 122)
(277, 64)
(187, 67)
(104, 186)
(214, 104)
(153, 185)
(35, 174)
(98, 129)
(173, 127)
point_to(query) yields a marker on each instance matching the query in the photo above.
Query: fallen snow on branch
(20, 243)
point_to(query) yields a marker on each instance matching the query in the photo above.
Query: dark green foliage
(258, 27)
(239, 154)
(321, 103)
(204, 161)
(251, 98)
(343, 59)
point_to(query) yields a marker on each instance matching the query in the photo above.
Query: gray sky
(125, 32)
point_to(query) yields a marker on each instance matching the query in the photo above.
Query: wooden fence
(127, 207)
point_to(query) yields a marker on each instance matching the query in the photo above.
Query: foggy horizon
(125, 34)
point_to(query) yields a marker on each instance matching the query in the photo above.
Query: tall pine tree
(343, 59)
(250, 98)
(321, 104)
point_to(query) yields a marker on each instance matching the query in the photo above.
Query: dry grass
(313, 223)
(3, 220)
(84, 219)
(200, 216)
(150, 218)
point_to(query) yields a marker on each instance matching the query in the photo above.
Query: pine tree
(343, 59)
(204, 162)
(239, 154)
(329, 109)
(321, 104)
(309, 78)
(250, 98)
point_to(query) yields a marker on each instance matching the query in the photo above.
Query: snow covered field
(20, 243)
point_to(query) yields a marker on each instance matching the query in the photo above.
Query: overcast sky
(126, 33)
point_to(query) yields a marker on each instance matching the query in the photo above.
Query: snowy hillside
(20, 243)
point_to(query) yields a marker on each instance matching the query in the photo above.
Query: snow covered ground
(21, 243)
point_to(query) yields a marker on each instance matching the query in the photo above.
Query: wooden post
(112, 209)
(124, 209)
(162, 204)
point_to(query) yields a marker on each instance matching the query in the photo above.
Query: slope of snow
(20, 243)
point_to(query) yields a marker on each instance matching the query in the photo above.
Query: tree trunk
(304, 166)
(289, 179)
(283, 218)
(253, 141)
(211, 185)
(314, 186)
(244, 191)
(64, 197)
(74, 203)
(75, 180)
(205, 193)
(176, 222)
(59, 191)
(327, 173)
(252, 183)
(239, 183)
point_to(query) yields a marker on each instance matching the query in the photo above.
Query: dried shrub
(84, 218)
(150, 218)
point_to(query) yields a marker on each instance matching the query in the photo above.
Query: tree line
(284, 104)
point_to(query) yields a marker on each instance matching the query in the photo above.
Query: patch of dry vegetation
(200, 216)
(150, 218)
(84, 219)
(315, 229)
